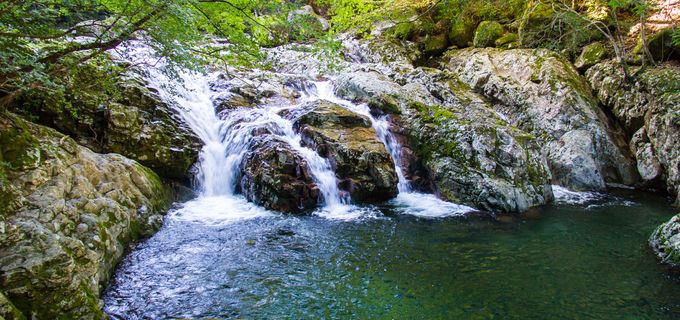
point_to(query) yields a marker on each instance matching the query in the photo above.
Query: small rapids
(226, 137)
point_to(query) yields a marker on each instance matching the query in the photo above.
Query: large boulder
(665, 241)
(131, 120)
(472, 155)
(67, 215)
(276, 177)
(648, 107)
(487, 33)
(541, 93)
(141, 126)
(361, 162)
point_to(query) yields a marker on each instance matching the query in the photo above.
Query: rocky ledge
(67, 216)
(665, 241)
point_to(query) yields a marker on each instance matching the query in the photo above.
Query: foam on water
(217, 210)
(590, 199)
(427, 206)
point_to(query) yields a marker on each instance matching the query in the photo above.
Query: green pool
(565, 261)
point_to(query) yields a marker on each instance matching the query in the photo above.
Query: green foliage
(356, 15)
(45, 44)
(555, 27)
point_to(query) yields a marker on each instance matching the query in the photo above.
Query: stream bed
(584, 257)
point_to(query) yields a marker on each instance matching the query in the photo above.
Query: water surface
(585, 260)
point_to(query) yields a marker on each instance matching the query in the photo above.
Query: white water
(408, 201)
(590, 199)
(226, 140)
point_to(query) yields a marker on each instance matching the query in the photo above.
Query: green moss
(160, 193)
(435, 45)
(487, 33)
(541, 26)
(506, 41)
(18, 147)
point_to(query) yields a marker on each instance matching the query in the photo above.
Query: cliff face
(67, 216)
(648, 107)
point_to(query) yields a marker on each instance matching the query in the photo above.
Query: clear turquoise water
(559, 262)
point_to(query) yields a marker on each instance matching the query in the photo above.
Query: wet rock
(133, 121)
(67, 216)
(665, 241)
(144, 128)
(277, 178)
(648, 107)
(250, 89)
(542, 94)
(360, 161)
(471, 154)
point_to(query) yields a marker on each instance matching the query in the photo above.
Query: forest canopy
(44, 43)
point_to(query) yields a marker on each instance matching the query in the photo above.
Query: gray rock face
(144, 128)
(544, 95)
(360, 161)
(135, 123)
(472, 155)
(648, 108)
(250, 89)
(665, 241)
(276, 177)
(67, 216)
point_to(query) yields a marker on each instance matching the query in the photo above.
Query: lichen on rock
(73, 213)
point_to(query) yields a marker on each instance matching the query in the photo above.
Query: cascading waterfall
(226, 140)
(411, 202)
(380, 124)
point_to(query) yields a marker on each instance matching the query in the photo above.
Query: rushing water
(416, 257)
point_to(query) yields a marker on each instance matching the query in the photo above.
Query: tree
(44, 41)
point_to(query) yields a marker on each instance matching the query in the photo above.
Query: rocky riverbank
(486, 127)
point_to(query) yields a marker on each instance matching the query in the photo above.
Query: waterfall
(380, 124)
(226, 139)
(408, 201)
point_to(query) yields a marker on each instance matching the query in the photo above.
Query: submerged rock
(543, 94)
(665, 241)
(274, 176)
(648, 107)
(67, 215)
(360, 161)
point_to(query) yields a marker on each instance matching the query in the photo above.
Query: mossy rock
(665, 241)
(487, 33)
(508, 41)
(462, 32)
(591, 55)
(660, 46)
(435, 45)
(541, 26)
